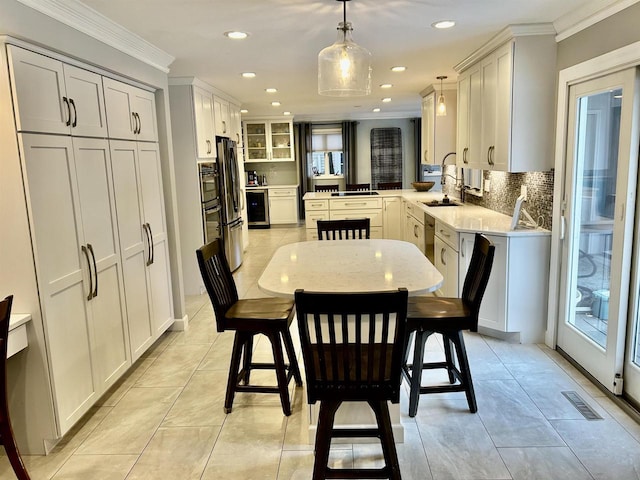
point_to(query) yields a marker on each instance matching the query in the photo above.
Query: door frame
(611, 62)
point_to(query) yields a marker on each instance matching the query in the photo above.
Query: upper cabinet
(222, 117)
(236, 124)
(268, 141)
(131, 112)
(438, 134)
(52, 97)
(506, 93)
(205, 134)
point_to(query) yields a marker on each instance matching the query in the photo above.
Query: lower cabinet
(283, 205)
(392, 226)
(80, 276)
(516, 296)
(343, 209)
(445, 246)
(143, 241)
(315, 210)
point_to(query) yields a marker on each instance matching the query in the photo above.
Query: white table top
(349, 266)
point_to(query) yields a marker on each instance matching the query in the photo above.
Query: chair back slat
(349, 229)
(390, 186)
(218, 280)
(352, 343)
(358, 187)
(327, 188)
(475, 282)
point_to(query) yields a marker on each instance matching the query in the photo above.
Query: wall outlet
(523, 192)
(487, 185)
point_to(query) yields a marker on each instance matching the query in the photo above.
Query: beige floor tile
(174, 366)
(96, 467)
(117, 391)
(219, 354)
(130, 424)
(298, 465)
(255, 464)
(176, 453)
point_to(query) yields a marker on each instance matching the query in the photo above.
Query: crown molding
(196, 82)
(86, 20)
(508, 33)
(408, 114)
(435, 87)
(584, 17)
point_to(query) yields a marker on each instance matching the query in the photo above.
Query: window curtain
(302, 148)
(386, 155)
(350, 149)
(417, 134)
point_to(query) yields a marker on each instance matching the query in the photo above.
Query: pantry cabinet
(143, 241)
(77, 258)
(52, 97)
(131, 112)
(506, 93)
(268, 141)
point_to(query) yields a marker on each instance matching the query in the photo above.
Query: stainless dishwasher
(429, 237)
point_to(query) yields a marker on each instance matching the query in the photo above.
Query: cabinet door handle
(66, 102)
(444, 233)
(135, 123)
(139, 122)
(464, 155)
(75, 113)
(415, 231)
(442, 257)
(152, 247)
(146, 234)
(224, 126)
(490, 155)
(95, 270)
(238, 138)
(208, 146)
(86, 255)
(426, 155)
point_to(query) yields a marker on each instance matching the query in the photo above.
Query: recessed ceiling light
(249, 75)
(286, 113)
(271, 90)
(443, 24)
(386, 85)
(236, 35)
(244, 110)
(376, 110)
(398, 69)
(275, 104)
(386, 100)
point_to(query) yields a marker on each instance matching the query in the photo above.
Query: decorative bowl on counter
(423, 186)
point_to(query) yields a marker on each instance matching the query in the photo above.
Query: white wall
(364, 148)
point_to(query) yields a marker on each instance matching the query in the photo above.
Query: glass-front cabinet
(268, 141)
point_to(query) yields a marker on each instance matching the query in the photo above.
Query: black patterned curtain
(386, 155)
(349, 147)
(302, 147)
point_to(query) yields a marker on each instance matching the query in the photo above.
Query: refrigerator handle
(242, 197)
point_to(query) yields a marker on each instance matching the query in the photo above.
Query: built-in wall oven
(258, 207)
(211, 202)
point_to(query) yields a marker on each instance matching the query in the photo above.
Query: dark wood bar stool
(327, 188)
(352, 346)
(344, 229)
(249, 317)
(6, 432)
(390, 186)
(448, 317)
(358, 187)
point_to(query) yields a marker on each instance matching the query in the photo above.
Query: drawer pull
(354, 204)
(445, 233)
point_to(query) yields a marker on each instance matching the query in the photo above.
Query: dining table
(370, 265)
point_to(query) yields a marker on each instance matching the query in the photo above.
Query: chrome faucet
(442, 174)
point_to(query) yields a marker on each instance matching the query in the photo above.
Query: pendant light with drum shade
(344, 68)
(441, 106)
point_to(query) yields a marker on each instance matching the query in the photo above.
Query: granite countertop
(463, 218)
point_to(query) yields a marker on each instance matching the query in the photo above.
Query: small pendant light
(344, 68)
(441, 107)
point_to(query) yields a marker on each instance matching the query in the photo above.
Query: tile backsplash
(505, 189)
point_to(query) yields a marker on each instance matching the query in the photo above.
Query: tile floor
(165, 420)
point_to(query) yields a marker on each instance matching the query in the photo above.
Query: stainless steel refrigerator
(231, 199)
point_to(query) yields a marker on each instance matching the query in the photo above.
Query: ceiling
(286, 36)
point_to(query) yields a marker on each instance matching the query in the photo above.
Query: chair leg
(8, 440)
(247, 358)
(291, 353)
(449, 358)
(238, 342)
(381, 409)
(281, 371)
(416, 371)
(326, 415)
(465, 371)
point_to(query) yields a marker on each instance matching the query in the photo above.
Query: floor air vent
(582, 406)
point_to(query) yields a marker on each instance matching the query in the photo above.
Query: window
(326, 151)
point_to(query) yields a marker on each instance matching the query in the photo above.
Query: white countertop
(351, 266)
(267, 187)
(463, 218)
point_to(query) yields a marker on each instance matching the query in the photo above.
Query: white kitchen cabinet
(205, 132)
(510, 85)
(53, 97)
(438, 133)
(236, 125)
(516, 296)
(268, 141)
(80, 279)
(131, 112)
(222, 117)
(414, 226)
(143, 241)
(314, 210)
(392, 218)
(283, 205)
(358, 207)
(445, 246)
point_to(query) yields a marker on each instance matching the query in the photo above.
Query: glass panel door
(601, 166)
